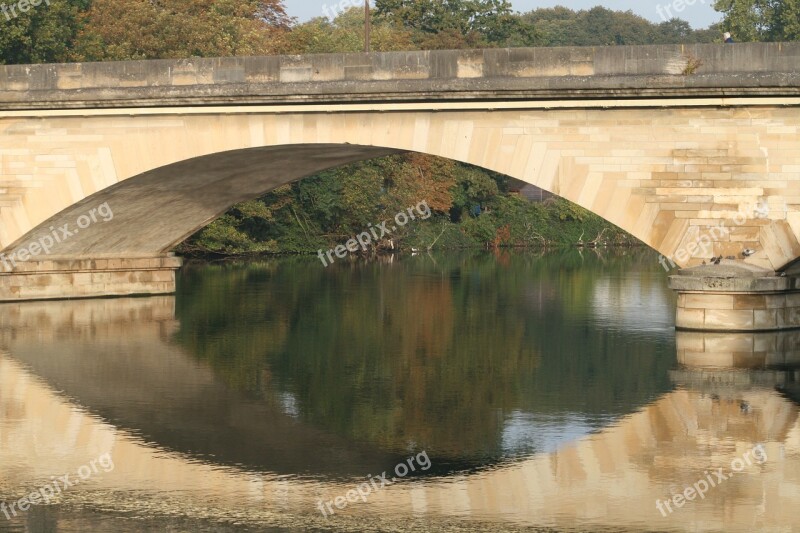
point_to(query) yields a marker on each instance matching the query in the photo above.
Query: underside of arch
(153, 212)
(156, 210)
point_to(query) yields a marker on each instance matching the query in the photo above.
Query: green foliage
(345, 34)
(82, 30)
(475, 187)
(456, 24)
(326, 210)
(102, 30)
(761, 20)
(560, 26)
(433, 16)
(234, 236)
(142, 29)
(43, 34)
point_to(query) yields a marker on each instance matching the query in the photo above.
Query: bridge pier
(736, 297)
(71, 278)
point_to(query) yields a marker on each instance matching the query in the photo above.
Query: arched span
(150, 213)
(673, 176)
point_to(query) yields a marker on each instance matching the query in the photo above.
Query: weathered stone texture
(88, 278)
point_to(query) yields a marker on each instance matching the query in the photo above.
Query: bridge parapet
(493, 74)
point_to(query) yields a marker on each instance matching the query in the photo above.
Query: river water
(459, 392)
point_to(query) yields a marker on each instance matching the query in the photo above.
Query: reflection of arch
(609, 479)
(89, 349)
(167, 173)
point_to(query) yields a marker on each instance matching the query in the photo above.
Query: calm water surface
(528, 392)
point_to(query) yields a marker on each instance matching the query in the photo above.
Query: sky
(700, 14)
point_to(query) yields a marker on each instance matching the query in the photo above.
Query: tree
(761, 20)
(42, 34)
(346, 34)
(599, 26)
(142, 29)
(449, 23)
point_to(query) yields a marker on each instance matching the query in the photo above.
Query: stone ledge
(409, 91)
(58, 265)
(559, 72)
(732, 285)
(63, 278)
(731, 277)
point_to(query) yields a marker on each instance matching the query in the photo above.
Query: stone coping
(763, 69)
(761, 285)
(728, 268)
(93, 265)
(732, 277)
(60, 279)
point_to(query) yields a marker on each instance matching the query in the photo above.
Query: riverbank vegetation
(471, 207)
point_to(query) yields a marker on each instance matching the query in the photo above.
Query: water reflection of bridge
(611, 478)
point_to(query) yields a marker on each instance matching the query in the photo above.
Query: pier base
(736, 297)
(68, 278)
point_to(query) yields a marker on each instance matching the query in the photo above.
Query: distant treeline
(103, 30)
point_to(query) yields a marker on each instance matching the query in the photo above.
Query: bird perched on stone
(716, 260)
(748, 252)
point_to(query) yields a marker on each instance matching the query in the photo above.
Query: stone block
(749, 301)
(729, 320)
(765, 319)
(792, 317)
(709, 301)
(690, 318)
(81, 278)
(775, 301)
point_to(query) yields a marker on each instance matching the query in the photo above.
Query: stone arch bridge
(693, 149)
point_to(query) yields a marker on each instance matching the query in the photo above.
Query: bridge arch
(667, 174)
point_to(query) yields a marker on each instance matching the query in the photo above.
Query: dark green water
(264, 387)
(475, 358)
